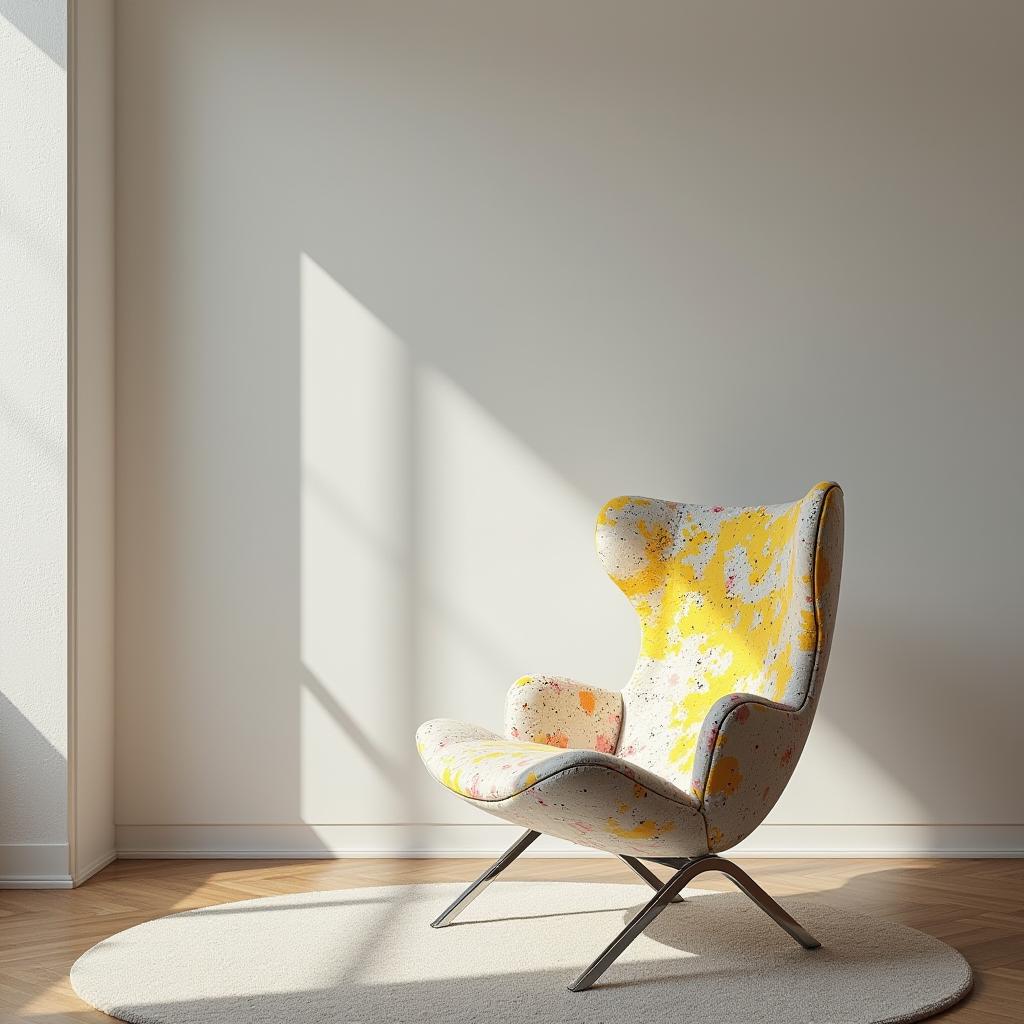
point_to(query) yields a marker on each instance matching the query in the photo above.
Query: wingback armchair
(736, 607)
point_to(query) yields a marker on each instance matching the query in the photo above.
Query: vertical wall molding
(90, 436)
(72, 426)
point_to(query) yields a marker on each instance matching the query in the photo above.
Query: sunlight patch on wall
(514, 580)
(355, 554)
(33, 425)
(441, 559)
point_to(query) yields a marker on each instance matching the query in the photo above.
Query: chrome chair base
(686, 871)
(665, 893)
(647, 875)
(485, 880)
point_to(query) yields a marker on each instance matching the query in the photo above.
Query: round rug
(369, 955)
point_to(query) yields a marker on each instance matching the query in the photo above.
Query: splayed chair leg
(485, 879)
(647, 875)
(657, 903)
(747, 885)
(686, 870)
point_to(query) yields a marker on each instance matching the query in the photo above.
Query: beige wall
(405, 290)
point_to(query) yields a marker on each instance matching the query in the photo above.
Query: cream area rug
(369, 955)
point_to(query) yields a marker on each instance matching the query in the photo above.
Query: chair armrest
(746, 753)
(563, 713)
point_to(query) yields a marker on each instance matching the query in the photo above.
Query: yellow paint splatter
(645, 830)
(451, 779)
(725, 777)
(822, 572)
(808, 638)
(604, 516)
(724, 592)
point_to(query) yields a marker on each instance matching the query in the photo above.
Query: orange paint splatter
(554, 739)
(725, 777)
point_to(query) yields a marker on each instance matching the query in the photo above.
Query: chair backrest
(729, 601)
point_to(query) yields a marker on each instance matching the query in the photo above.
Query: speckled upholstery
(737, 607)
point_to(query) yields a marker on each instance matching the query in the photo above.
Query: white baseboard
(332, 841)
(45, 865)
(34, 866)
(778, 840)
(488, 840)
(98, 864)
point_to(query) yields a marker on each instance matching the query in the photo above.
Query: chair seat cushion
(586, 796)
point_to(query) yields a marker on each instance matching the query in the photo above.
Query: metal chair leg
(747, 885)
(686, 870)
(485, 879)
(665, 893)
(658, 902)
(647, 875)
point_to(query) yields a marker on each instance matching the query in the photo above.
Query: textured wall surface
(406, 290)
(33, 450)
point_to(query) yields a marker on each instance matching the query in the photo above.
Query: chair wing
(736, 607)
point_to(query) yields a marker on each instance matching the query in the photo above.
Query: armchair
(737, 607)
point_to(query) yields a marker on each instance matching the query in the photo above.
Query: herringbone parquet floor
(976, 905)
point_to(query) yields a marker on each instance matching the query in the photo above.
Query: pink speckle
(742, 712)
(730, 582)
(674, 679)
(718, 508)
(604, 745)
(515, 733)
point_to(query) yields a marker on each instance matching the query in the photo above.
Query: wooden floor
(975, 905)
